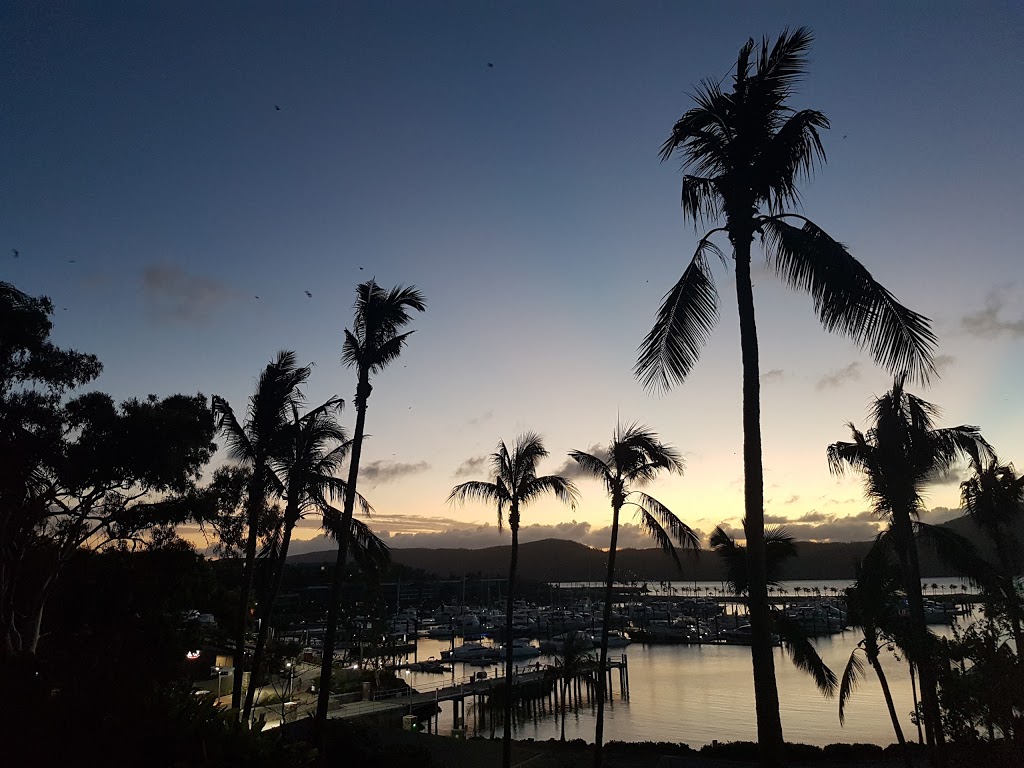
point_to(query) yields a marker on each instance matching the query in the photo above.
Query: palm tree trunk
(873, 658)
(327, 664)
(603, 659)
(766, 694)
(506, 739)
(276, 578)
(255, 504)
(919, 628)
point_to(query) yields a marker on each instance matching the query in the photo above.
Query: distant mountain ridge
(562, 560)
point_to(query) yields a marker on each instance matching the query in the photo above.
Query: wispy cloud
(944, 362)
(988, 323)
(471, 467)
(837, 378)
(772, 376)
(483, 417)
(174, 296)
(378, 472)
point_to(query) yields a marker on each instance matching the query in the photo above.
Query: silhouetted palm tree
(571, 661)
(779, 547)
(897, 457)
(747, 149)
(873, 606)
(254, 444)
(313, 450)
(634, 458)
(994, 498)
(373, 343)
(514, 484)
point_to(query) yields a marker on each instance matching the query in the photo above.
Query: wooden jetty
(537, 688)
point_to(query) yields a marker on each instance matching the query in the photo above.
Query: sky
(167, 163)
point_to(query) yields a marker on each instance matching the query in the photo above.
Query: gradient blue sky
(527, 201)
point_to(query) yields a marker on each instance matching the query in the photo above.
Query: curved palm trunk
(257, 491)
(327, 664)
(291, 517)
(603, 659)
(875, 665)
(506, 739)
(922, 659)
(766, 694)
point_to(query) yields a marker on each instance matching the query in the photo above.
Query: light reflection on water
(696, 694)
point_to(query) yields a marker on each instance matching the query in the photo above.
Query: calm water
(695, 694)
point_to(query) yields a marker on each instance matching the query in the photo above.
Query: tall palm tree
(873, 607)
(779, 547)
(898, 456)
(746, 149)
(373, 343)
(994, 498)
(254, 444)
(634, 458)
(514, 484)
(313, 450)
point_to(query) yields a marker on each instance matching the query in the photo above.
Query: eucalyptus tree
(633, 458)
(513, 485)
(898, 456)
(312, 452)
(253, 444)
(779, 547)
(744, 151)
(373, 343)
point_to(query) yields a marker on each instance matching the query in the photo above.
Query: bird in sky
(310, 295)
(16, 252)
(490, 65)
(277, 108)
(71, 261)
(256, 297)
(360, 267)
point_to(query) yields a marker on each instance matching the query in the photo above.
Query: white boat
(521, 649)
(469, 652)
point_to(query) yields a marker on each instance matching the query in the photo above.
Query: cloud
(175, 296)
(987, 323)
(943, 362)
(439, 532)
(775, 374)
(378, 472)
(837, 378)
(471, 467)
(571, 469)
(483, 417)
(487, 535)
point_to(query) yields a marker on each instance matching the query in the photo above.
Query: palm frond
(687, 316)
(593, 466)
(650, 525)
(679, 531)
(562, 489)
(701, 199)
(477, 490)
(848, 300)
(785, 66)
(958, 553)
(852, 676)
(239, 446)
(803, 654)
(794, 153)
